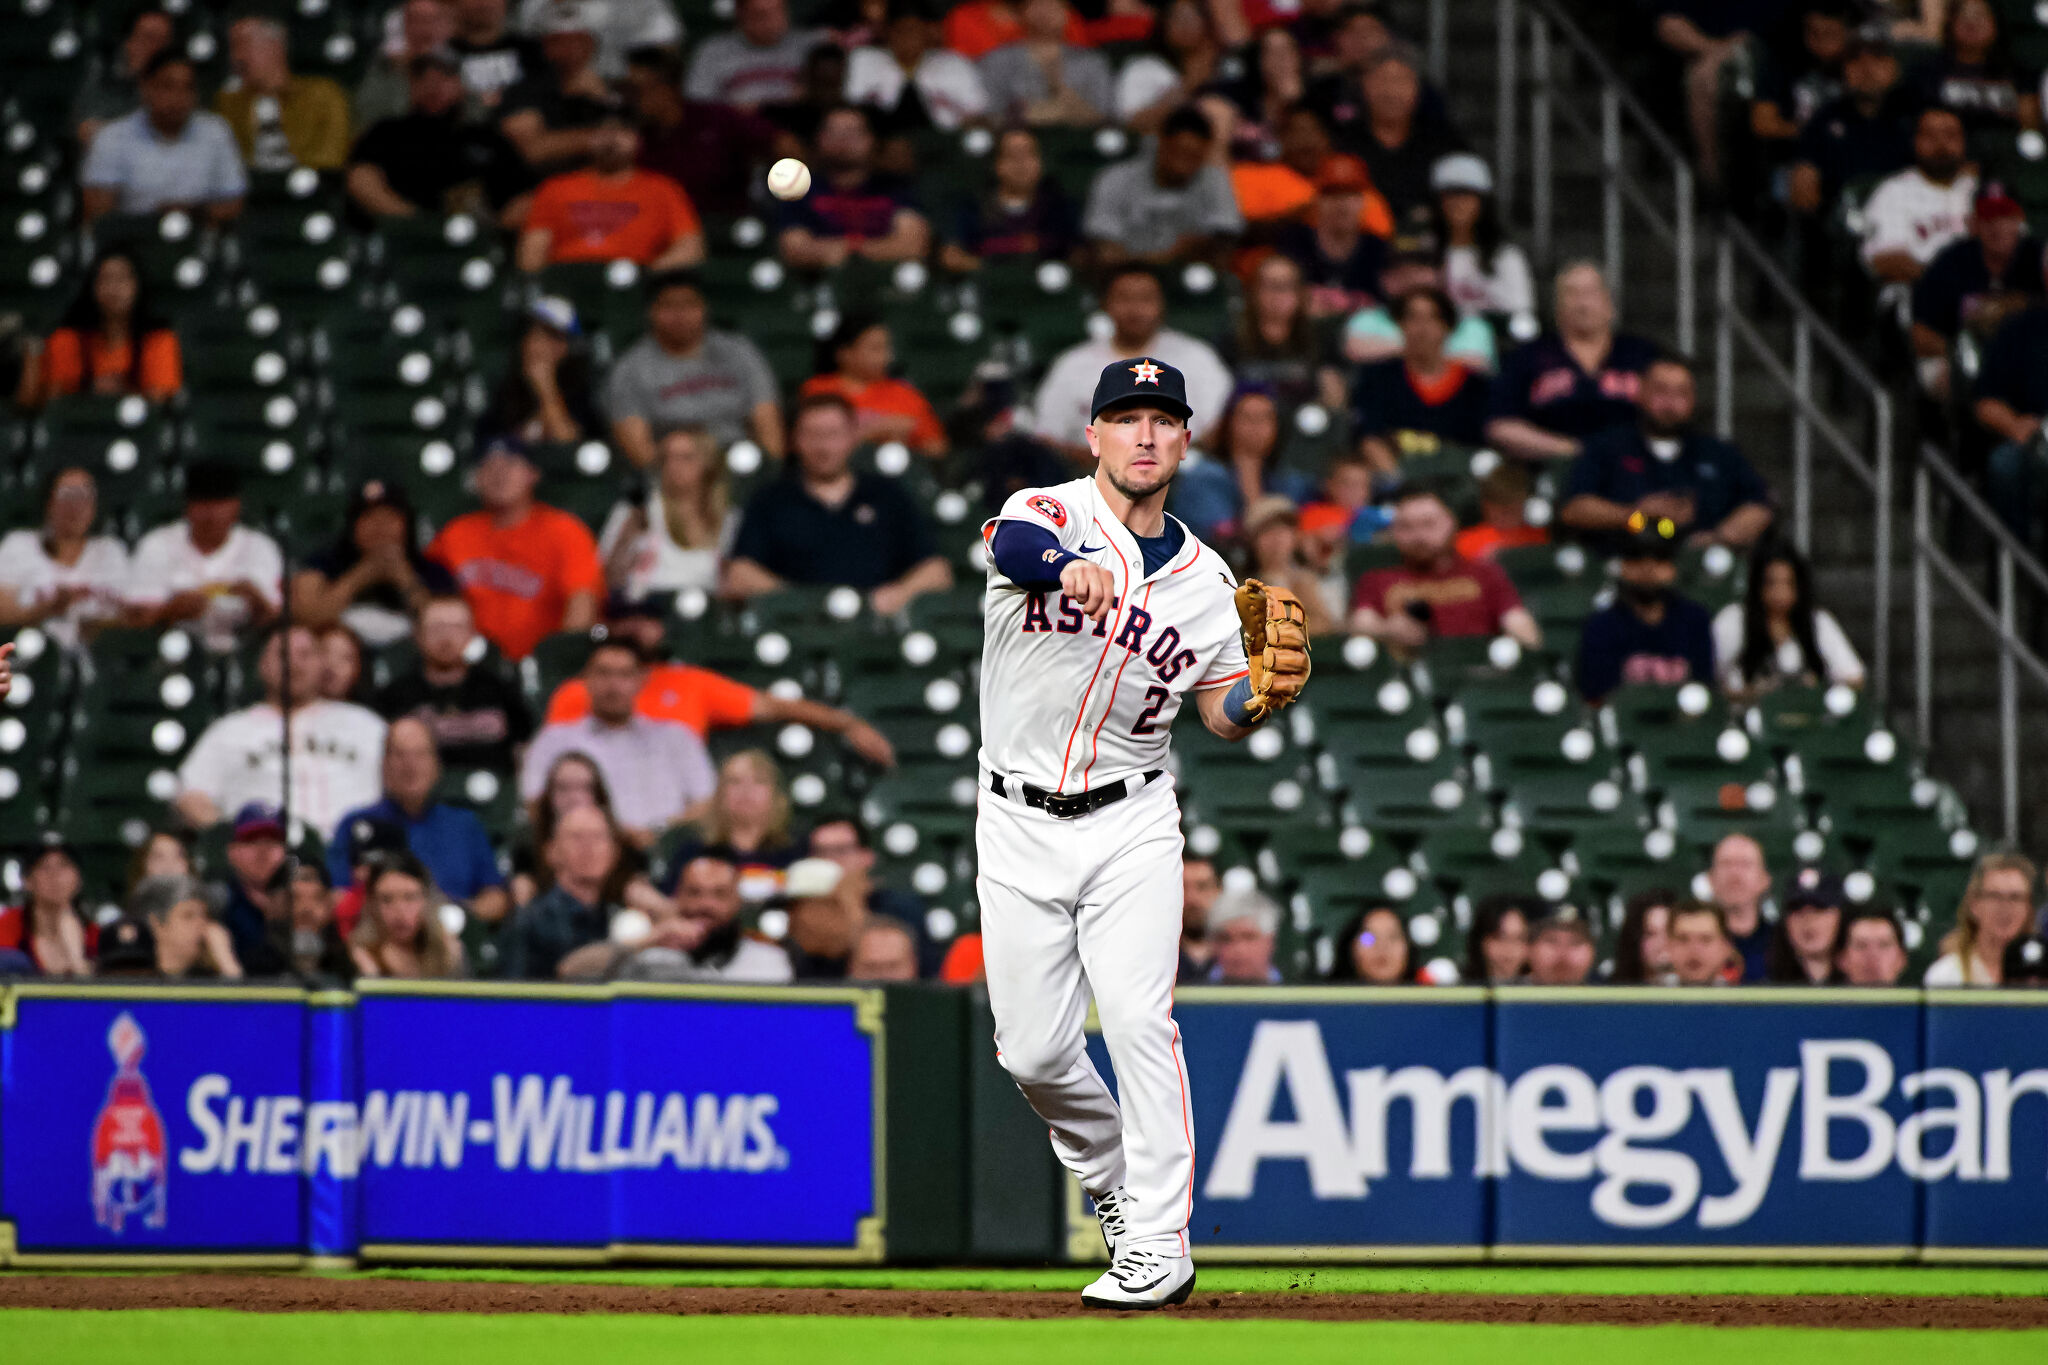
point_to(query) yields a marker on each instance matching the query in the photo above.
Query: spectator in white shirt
(947, 86)
(1136, 306)
(1776, 635)
(1914, 214)
(207, 568)
(337, 748)
(1997, 906)
(61, 576)
(620, 25)
(1482, 272)
(673, 537)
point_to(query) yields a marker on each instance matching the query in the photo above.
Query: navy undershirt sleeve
(1019, 551)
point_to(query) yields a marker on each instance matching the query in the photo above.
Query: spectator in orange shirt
(1503, 520)
(612, 211)
(527, 569)
(109, 342)
(855, 363)
(1285, 190)
(979, 27)
(707, 701)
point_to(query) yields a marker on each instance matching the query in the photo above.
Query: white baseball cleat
(1110, 1208)
(1142, 1280)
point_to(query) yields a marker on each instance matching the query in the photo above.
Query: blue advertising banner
(1532, 1122)
(1641, 1120)
(1981, 1139)
(580, 1122)
(143, 1122)
(1332, 1118)
(450, 1122)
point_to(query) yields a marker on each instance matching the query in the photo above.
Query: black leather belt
(1073, 806)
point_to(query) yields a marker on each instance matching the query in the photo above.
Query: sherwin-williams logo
(129, 1173)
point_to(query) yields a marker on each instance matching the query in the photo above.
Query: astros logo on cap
(1147, 372)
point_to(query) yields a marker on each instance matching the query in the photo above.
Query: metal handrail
(1551, 33)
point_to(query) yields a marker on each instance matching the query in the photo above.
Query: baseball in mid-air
(789, 179)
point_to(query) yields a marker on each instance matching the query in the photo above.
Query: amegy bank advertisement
(272, 1123)
(1591, 1122)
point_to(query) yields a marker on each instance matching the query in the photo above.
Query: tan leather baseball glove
(1275, 629)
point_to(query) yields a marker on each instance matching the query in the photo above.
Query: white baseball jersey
(337, 761)
(1070, 704)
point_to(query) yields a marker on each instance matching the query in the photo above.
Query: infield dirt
(302, 1293)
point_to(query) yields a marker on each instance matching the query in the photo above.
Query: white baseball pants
(1070, 907)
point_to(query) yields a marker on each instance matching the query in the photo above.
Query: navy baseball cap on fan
(1144, 379)
(1814, 888)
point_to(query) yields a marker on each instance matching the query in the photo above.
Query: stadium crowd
(1894, 148)
(1295, 153)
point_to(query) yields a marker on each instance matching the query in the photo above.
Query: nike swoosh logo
(1149, 1284)
(1091, 549)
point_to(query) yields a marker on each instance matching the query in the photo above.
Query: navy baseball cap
(1814, 887)
(1142, 378)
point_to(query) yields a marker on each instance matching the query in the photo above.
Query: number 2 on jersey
(1155, 702)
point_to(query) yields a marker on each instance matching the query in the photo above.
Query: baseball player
(1103, 614)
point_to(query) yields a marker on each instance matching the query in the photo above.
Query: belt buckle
(1071, 807)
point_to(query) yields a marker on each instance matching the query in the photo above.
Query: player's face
(1139, 448)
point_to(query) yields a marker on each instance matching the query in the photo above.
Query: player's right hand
(1092, 587)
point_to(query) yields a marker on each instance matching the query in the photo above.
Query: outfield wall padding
(492, 1123)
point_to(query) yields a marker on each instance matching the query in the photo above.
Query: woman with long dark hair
(110, 342)
(1641, 954)
(1483, 272)
(1373, 950)
(400, 934)
(50, 924)
(373, 578)
(1497, 945)
(1776, 635)
(1273, 82)
(547, 395)
(1802, 951)
(1183, 59)
(1211, 496)
(1277, 341)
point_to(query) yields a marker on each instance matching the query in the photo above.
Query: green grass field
(208, 1337)
(215, 1337)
